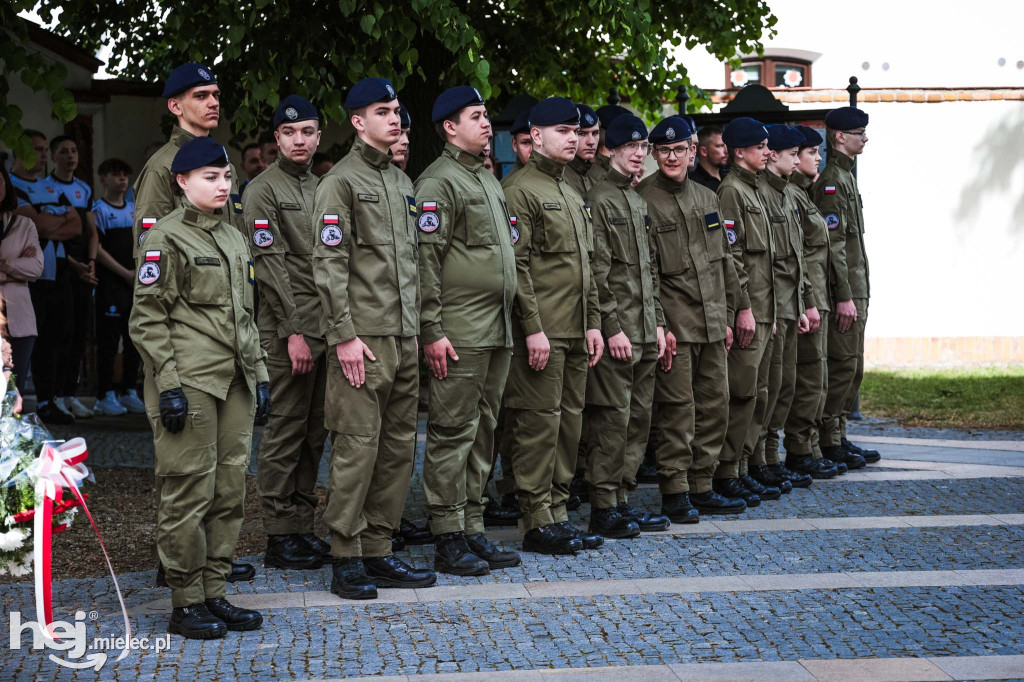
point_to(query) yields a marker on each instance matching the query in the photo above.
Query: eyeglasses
(637, 146)
(855, 133)
(676, 152)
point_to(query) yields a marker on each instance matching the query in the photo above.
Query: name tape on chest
(262, 236)
(832, 221)
(289, 207)
(331, 234)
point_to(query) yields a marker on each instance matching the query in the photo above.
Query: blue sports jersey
(77, 191)
(45, 197)
(114, 224)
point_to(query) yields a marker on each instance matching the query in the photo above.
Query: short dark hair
(114, 166)
(454, 117)
(32, 132)
(10, 202)
(267, 138)
(704, 134)
(59, 140)
(246, 148)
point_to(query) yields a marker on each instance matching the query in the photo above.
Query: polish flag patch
(148, 223)
(261, 223)
(830, 189)
(429, 205)
(330, 219)
(152, 255)
(512, 220)
(729, 223)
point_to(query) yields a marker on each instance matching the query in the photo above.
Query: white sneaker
(62, 406)
(77, 409)
(109, 405)
(131, 402)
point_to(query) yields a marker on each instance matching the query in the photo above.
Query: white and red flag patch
(148, 223)
(830, 189)
(429, 205)
(152, 255)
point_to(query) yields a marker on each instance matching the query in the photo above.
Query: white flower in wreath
(739, 78)
(793, 78)
(12, 539)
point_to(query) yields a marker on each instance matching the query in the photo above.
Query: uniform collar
(180, 136)
(291, 168)
(777, 182)
(371, 155)
(800, 180)
(618, 179)
(580, 166)
(745, 175)
(603, 161)
(666, 183)
(546, 165)
(842, 160)
(196, 218)
(472, 163)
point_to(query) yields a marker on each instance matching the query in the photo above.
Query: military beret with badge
(624, 129)
(781, 136)
(198, 153)
(554, 111)
(521, 124)
(453, 100)
(187, 76)
(588, 117)
(671, 130)
(369, 91)
(294, 109)
(846, 118)
(744, 132)
(812, 138)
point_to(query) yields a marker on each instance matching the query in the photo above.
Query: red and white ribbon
(56, 468)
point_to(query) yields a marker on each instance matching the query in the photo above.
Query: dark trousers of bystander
(52, 301)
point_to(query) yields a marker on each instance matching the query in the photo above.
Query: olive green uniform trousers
(692, 401)
(293, 439)
(801, 435)
(748, 401)
(781, 389)
(373, 440)
(619, 397)
(201, 474)
(460, 438)
(845, 371)
(546, 410)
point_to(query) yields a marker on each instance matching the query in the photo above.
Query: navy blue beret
(404, 117)
(693, 125)
(453, 99)
(522, 123)
(188, 76)
(671, 130)
(199, 152)
(846, 118)
(781, 136)
(744, 132)
(609, 113)
(293, 109)
(624, 129)
(554, 111)
(812, 138)
(370, 90)
(588, 117)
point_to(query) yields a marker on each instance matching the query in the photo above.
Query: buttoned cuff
(431, 333)
(532, 325)
(346, 331)
(167, 379)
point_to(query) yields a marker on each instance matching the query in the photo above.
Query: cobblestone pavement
(625, 617)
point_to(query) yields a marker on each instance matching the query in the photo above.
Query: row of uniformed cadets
(554, 294)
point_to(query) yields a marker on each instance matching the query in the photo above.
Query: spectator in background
(81, 257)
(712, 158)
(21, 261)
(252, 164)
(268, 148)
(113, 216)
(56, 221)
(321, 164)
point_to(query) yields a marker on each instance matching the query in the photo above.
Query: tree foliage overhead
(264, 49)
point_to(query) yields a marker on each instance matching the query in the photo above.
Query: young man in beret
(605, 116)
(522, 143)
(278, 206)
(836, 195)
(467, 285)
(748, 231)
(795, 309)
(590, 132)
(364, 267)
(699, 294)
(400, 149)
(803, 452)
(193, 97)
(555, 327)
(620, 387)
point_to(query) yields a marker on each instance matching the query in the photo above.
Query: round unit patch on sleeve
(428, 221)
(730, 234)
(832, 221)
(330, 235)
(262, 236)
(515, 231)
(149, 273)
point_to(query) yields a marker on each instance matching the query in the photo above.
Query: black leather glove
(262, 402)
(173, 409)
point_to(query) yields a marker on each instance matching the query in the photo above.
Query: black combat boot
(611, 524)
(797, 480)
(283, 551)
(550, 539)
(712, 502)
(495, 556)
(732, 487)
(870, 456)
(815, 468)
(241, 572)
(452, 555)
(413, 534)
(349, 579)
(769, 479)
(677, 507)
(390, 571)
(315, 544)
(646, 521)
(503, 513)
(763, 491)
(839, 455)
(196, 622)
(234, 618)
(589, 540)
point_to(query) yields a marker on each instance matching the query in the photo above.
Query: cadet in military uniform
(278, 219)
(605, 116)
(803, 453)
(400, 149)
(194, 99)
(699, 295)
(205, 380)
(836, 195)
(522, 143)
(467, 286)
(590, 134)
(555, 328)
(364, 266)
(794, 307)
(748, 232)
(620, 388)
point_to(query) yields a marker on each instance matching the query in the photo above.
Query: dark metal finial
(614, 97)
(853, 89)
(682, 97)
